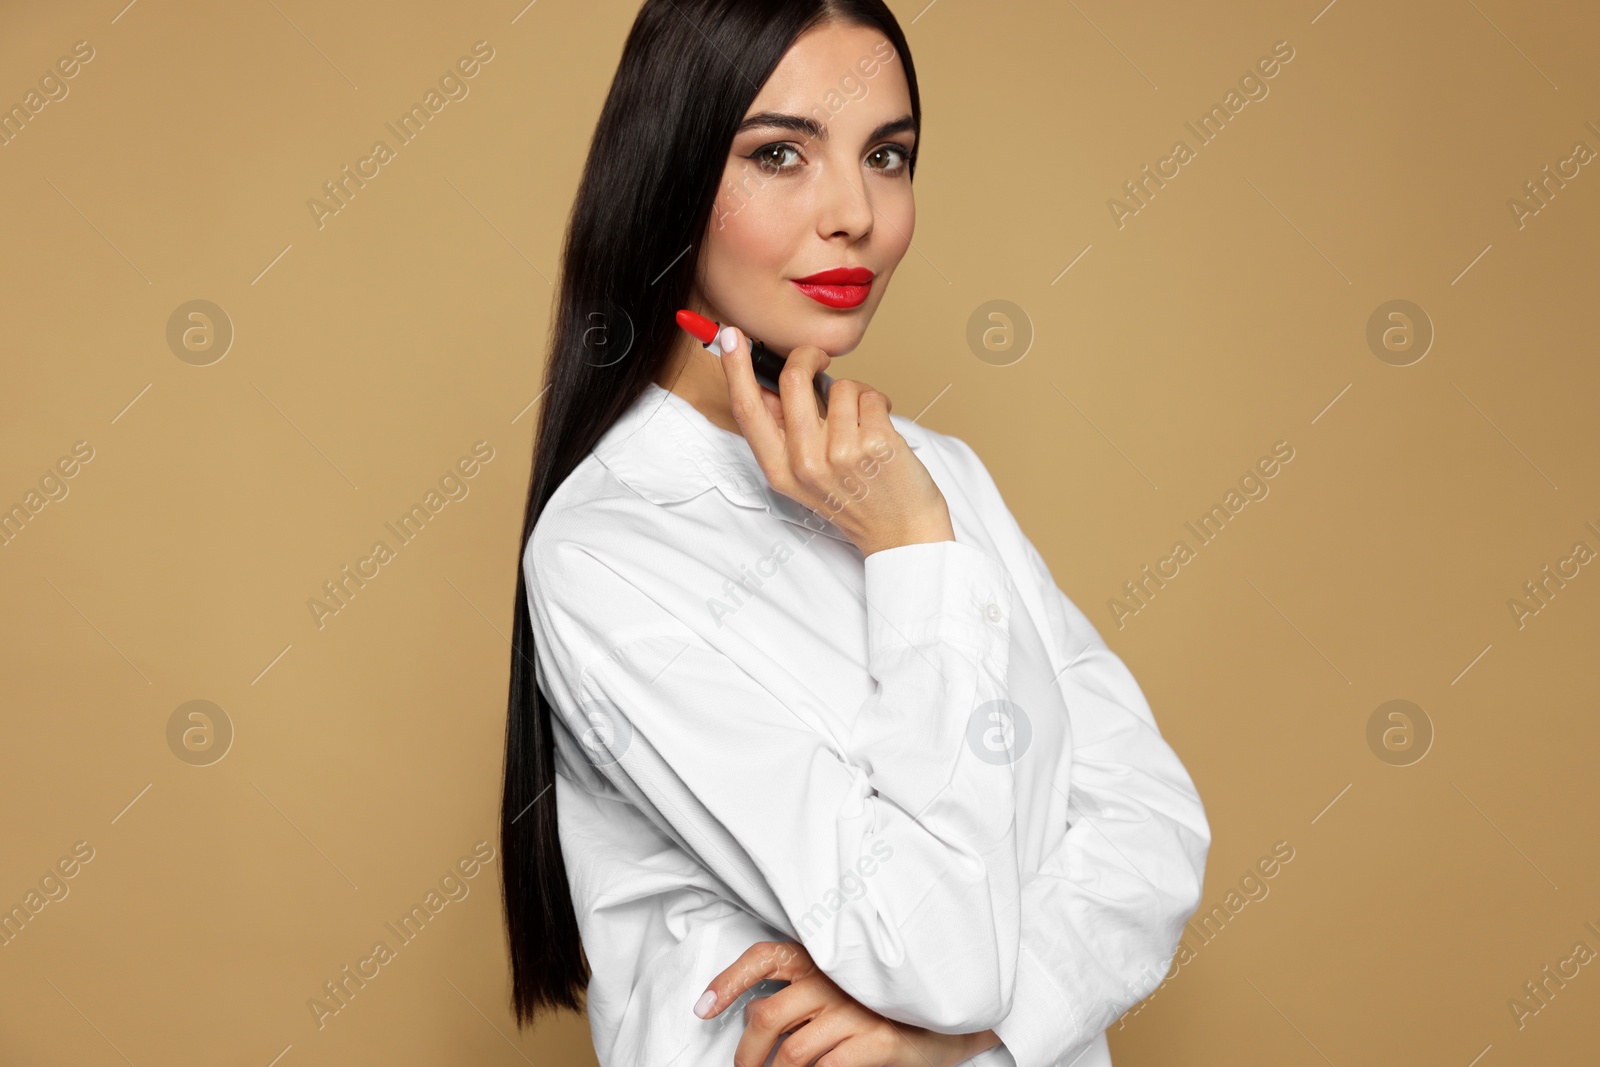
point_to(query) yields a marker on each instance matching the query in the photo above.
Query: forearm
(976, 1043)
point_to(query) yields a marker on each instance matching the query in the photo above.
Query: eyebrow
(814, 130)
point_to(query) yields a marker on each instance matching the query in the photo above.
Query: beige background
(370, 354)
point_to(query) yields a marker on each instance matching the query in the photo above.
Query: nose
(844, 207)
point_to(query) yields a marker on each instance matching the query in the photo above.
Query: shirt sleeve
(641, 900)
(1102, 916)
(894, 861)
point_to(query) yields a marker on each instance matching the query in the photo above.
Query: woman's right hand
(853, 468)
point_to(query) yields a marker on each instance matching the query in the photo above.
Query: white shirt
(760, 735)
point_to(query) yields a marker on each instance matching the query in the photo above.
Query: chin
(838, 340)
(835, 332)
(843, 350)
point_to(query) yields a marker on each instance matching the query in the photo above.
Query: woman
(832, 724)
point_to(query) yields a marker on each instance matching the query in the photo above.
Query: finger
(779, 960)
(774, 404)
(860, 1050)
(802, 422)
(755, 418)
(829, 1034)
(873, 408)
(877, 432)
(790, 1008)
(843, 445)
(842, 426)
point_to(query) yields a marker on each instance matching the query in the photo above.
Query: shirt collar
(665, 450)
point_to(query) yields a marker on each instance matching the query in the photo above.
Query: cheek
(897, 215)
(751, 229)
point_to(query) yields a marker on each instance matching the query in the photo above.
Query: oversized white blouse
(925, 765)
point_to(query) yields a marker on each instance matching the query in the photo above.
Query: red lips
(839, 276)
(841, 287)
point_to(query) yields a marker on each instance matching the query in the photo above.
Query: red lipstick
(841, 287)
(766, 363)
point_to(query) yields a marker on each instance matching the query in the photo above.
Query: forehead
(841, 60)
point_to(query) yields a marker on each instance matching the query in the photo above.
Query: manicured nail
(707, 1001)
(728, 340)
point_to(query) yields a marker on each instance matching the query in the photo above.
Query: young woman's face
(799, 200)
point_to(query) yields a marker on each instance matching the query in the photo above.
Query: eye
(769, 156)
(894, 158)
(898, 158)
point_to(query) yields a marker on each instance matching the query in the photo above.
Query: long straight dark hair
(688, 73)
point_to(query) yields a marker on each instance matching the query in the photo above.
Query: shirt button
(992, 610)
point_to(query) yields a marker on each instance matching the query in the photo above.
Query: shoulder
(973, 492)
(572, 515)
(591, 568)
(571, 559)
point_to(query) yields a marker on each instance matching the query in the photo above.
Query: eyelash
(907, 157)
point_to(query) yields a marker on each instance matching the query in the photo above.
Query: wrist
(976, 1043)
(926, 533)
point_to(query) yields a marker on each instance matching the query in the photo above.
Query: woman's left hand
(825, 1025)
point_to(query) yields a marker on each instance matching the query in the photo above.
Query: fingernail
(707, 1001)
(728, 339)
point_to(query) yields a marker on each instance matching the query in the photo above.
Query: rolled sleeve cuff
(1042, 1029)
(939, 645)
(935, 592)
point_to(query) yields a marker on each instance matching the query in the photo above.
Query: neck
(698, 377)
